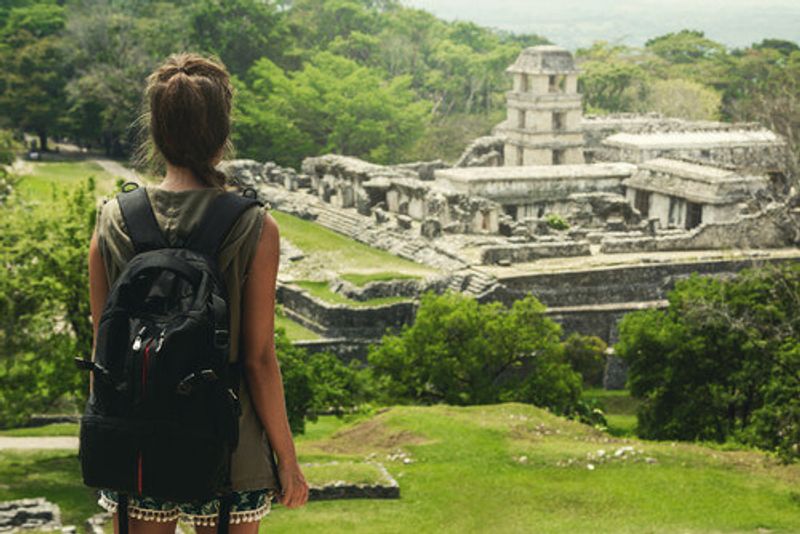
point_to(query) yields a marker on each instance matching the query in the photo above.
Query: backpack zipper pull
(137, 343)
(160, 340)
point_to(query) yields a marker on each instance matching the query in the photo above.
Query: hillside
(506, 467)
(517, 468)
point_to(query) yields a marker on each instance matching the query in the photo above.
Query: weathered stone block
(430, 228)
(404, 221)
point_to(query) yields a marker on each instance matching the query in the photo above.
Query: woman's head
(188, 102)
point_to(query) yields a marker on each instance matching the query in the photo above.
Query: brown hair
(187, 116)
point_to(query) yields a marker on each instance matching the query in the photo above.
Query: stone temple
(543, 126)
(594, 215)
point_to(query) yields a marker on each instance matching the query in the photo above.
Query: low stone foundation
(525, 252)
(339, 320)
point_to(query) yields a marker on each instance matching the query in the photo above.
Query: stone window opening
(520, 155)
(641, 202)
(559, 121)
(558, 156)
(521, 118)
(523, 83)
(694, 215)
(557, 83)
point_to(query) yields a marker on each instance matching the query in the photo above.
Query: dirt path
(12, 443)
(117, 169)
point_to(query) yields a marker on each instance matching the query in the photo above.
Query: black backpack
(162, 420)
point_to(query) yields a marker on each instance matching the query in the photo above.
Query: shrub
(556, 222)
(461, 352)
(587, 355)
(44, 305)
(317, 383)
(722, 361)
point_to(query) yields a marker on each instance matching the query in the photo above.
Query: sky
(578, 23)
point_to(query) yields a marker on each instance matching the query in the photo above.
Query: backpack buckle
(221, 338)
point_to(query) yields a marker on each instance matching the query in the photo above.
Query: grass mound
(371, 435)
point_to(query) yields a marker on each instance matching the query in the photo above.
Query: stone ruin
(552, 186)
(37, 514)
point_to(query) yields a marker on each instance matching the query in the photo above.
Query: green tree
(332, 105)
(587, 355)
(114, 50)
(34, 70)
(611, 78)
(239, 32)
(764, 87)
(721, 362)
(44, 304)
(461, 352)
(685, 99)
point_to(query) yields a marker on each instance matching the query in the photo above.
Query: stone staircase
(365, 229)
(472, 282)
(344, 222)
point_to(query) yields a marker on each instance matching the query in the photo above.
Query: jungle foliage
(722, 362)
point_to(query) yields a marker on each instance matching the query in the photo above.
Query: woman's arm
(98, 290)
(261, 367)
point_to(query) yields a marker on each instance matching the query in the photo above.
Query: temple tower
(543, 126)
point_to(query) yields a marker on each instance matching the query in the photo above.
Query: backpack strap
(137, 212)
(218, 220)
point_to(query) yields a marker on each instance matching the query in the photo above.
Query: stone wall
(344, 347)
(617, 285)
(598, 127)
(483, 152)
(775, 227)
(339, 320)
(525, 252)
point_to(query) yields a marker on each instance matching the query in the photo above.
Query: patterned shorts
(247, 506)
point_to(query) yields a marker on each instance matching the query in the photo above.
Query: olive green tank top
(178, 213)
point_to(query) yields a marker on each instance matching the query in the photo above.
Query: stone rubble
(27, 514)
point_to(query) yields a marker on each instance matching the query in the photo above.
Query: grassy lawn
(503, 468)
(348, 255)
(47, 180)
(55, 429)
(294, 329)
(363, 279)
(320, 290)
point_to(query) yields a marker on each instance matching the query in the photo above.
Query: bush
(587, 355)
(318, 383)
(461, 352)
(721, 362)
(44, 308)
(556, 222)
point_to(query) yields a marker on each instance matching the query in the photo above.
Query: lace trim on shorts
(198, 520)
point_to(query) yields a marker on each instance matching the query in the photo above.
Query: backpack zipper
(145, 359)
(137, 343)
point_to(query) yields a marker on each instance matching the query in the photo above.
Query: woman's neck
(180, 178)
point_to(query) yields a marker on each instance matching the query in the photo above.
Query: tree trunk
(42, 140)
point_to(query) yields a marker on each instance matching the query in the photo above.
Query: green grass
(54, 475)
(352, 472)
(294, 330)
(55, 429)
(619, 408)
(363, 279)
(348, 255)
(47, 177)
(321, 290)
(466, 475)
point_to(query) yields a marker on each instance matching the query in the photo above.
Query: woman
(189, 104)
